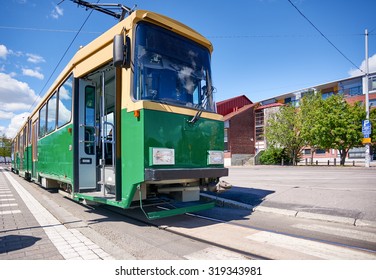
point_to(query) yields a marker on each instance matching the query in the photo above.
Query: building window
(373, 83)
(260, 133)
(326, 95)
(351, 87)
(260, 118)
(320, 152)
(307, 151)
(226, 139)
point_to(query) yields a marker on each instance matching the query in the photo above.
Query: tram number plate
(85, 160)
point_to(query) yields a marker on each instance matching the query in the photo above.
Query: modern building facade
(239, 126)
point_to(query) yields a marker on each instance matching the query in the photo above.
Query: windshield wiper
(202, 106)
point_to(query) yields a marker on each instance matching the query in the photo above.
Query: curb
(291, 213)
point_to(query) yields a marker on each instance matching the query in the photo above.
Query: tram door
(86, 136)
(34, 143)
(97, 132)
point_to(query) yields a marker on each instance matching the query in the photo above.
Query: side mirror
(121, 51)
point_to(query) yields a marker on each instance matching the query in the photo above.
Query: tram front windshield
(171, 69)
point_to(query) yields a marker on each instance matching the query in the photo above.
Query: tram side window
(89, 120)
(42, 121)
(29, 132)
(51, 114)
(65, 102)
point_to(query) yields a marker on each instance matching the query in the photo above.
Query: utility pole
(368, 145)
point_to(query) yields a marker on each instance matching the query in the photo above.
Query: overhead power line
(326, 38)
(61, 59)
(45, 29)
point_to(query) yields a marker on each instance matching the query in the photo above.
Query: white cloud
(32, 73)
(371, 67)
(6, 115)
(3, 52)
(57, 12)
(16, 122)
(34, 58)
(15, 95)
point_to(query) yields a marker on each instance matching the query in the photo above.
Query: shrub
(274, 156)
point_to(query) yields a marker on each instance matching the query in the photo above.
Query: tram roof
(107, 37)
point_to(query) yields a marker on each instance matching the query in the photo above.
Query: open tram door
(97, 134)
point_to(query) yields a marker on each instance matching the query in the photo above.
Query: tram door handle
(89, 138)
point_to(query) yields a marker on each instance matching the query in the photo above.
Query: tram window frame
(21, 146)
(90, 120)
(29, 132)
(42, 121)
(51, 114)
(68, 83)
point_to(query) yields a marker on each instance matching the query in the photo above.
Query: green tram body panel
(152, 129)
(158, 129)
(190, 141)
(55, 156)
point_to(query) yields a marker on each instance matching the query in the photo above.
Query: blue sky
(262, 48)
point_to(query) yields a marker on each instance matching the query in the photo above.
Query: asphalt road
(224, 233)
(348, 192)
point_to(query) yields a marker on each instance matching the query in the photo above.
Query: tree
(283, 131)
(339, 125)
(5, 146)
(310, 105)
(372, 118)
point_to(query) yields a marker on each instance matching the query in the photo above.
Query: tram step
(178, 211)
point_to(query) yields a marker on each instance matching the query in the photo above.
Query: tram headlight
(215, 157)
(162, 156)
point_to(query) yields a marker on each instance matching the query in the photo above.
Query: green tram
(130, 120)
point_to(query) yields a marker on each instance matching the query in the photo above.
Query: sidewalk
(336, 194)
(29, 232)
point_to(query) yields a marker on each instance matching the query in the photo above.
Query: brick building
(239, 117)
(245, 121)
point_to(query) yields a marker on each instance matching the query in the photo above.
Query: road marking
(349, 233)
(10, 212)
(313, 248)
(214, 253)
(6, 195)
(7, 199)
(8, 205)
(71, 243)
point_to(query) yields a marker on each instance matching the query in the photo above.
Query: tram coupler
(217, 187)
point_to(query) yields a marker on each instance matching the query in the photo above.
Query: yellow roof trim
(144, 104)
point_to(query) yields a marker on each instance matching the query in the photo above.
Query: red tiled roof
(238, 111)
(230, 105)
(269, 106)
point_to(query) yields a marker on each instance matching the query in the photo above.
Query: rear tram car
(130, 119)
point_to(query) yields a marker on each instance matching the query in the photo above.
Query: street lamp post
(366, 85)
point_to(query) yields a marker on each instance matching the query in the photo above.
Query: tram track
(144, 221)
(178, 225)
(289, 234)
(246, 253)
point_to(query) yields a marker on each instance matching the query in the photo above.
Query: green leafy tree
(339, 125)
(310, 106)
(372, 118)
(5, 146)
(283, 130)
